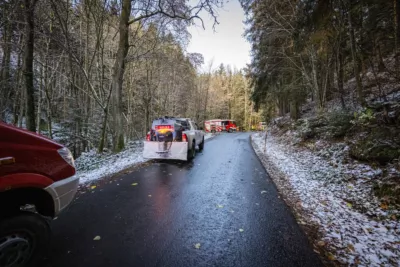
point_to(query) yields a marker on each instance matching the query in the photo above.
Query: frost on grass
(92, 166)
(353, 225)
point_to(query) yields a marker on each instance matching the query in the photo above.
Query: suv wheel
(201, 146)
(192, 151)
(23, 239)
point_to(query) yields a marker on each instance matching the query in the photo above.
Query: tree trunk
(118, 74)
(340, 77)
(5, 86)
(294, 110)
(28, 64)
(103, 131)
(356, 65)
(39, 109)
(396, 4)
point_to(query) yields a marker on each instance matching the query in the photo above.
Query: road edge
(291, 199)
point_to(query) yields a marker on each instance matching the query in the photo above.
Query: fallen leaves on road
(134, 184)
(96, 238)
(197, 246)
(241, 230)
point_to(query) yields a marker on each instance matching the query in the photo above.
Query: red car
(37, 180)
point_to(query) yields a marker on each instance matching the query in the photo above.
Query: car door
(196, 131)
(199, 132)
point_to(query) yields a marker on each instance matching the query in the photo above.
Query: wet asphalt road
(214, 201)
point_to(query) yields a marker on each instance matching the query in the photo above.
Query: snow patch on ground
(305, 179)
(92, 166)
(208, 136)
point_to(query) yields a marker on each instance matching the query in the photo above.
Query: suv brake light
(159, 127)
(184, 138)
(67, 156)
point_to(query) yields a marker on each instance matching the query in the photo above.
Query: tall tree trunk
(103, 131)
(396, 4)
(118, 74)
(28, 64)
(340, 76)
(5, 86)
(39, 109)
(356, 65)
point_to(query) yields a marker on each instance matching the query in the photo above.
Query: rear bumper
(63, 192)
(165, 150)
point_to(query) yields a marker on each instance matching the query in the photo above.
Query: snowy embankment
(92, 166)
(346, 235)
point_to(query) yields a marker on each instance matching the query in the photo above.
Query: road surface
(222, 209)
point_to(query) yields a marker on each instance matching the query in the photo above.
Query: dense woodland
(310, 50)
(92, 74)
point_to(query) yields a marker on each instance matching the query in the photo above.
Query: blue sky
(226, 45)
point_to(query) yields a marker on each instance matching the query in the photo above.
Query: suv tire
(201, 146)
(192, 151)
(24, 238)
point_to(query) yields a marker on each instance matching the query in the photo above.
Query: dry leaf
(349, 205)
(197, 246)
(350, 247)
(241, 230)
(149, 195)
(93, 187)
(220, 206)
(331, 257)
(134, 184)
(321, 243)
(96, 238)
(263, 192)
(384, 206)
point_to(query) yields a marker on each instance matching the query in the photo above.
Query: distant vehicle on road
(262, 126)
(219, 125)
(173, 138)
(37, 180)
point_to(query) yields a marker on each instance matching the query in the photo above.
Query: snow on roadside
(92, 166)
(353, 238)
(208, 136)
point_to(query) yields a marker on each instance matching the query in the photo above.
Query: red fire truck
(218, 125)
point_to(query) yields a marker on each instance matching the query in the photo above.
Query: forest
(310, 51)
(92, 74)
(326, 74)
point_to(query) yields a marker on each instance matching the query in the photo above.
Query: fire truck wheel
(201, 146)
(230, 130)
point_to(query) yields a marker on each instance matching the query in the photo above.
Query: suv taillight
(67, 156)
(148, 137)
(160, 127)
(184, 138)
